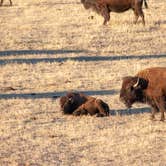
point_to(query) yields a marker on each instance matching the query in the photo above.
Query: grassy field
(49, 47)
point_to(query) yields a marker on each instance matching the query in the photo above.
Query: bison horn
(137, 83)
(70, 98)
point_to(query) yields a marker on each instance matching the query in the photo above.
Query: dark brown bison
(1, 2)
(148, 86)
(104, 7)
(80, 104)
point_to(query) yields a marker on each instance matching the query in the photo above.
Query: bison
(104, 7)
(1, 2)
(80, 104)
(148, 86)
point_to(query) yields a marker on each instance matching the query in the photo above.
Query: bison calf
(104, 7)
(80, 104)
(1, 2)
(148, 86)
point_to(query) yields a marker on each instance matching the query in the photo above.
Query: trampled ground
(48, 47)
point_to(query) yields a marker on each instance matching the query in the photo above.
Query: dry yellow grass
(49, 47)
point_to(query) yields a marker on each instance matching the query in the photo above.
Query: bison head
(132, 90)
(69, 103)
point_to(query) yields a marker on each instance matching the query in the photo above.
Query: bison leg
(80, 111)
(1, 2)
(136, 16)
(10, 2)
(106, 14)
(143, 18)
(146, 5)
(161, 105)
(102, 111)
(154, 110)
(138, 11)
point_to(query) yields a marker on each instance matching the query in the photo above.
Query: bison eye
(70, 100)
(130, 88)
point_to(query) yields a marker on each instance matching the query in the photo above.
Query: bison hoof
(152, 117)
(99, 115)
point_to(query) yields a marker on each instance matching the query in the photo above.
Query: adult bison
(148, 86)
(80, 104)
(104, 7)
(1, 2)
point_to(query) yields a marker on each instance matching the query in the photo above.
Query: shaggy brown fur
(148, 86)
(3, 0)
(80, 104)
(71, 101)
(104, 7)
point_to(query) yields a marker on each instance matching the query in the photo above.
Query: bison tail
(146, 4)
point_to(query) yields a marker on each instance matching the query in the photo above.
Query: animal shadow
(128, 112)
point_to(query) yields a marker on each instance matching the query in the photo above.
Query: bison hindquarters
(92, 107)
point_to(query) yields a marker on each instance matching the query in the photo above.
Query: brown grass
(50, 47)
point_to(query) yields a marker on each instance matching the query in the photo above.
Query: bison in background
(148, 86)
(104, 7)
(80, 104)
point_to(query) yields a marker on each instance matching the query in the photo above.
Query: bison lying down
(148, 86)
(1, 2)
(80, 104)
(104, 7)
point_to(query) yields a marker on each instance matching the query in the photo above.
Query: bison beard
(80, 104)
(104, 7)
(148, 86)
